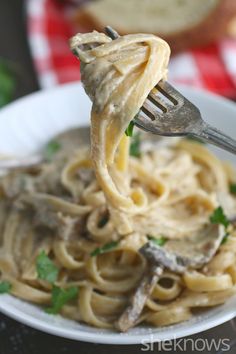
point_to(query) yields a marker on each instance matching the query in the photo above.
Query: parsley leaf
(225, 238)
(106, 248)
(46, 269)
(135, 146)
(195, 139)
(103, 221)
(219, 217)
(51, 149)
(232, 188)
(158, 241)
(129, 130)
(60, 297)
(5, 287)
(7, 81)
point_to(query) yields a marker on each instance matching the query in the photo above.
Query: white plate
(25, 126)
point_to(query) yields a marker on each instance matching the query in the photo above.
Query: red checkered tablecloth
(49, 28)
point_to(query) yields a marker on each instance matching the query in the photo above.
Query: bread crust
(231, 29)
(212, 28)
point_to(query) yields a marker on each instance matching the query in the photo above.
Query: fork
(167, 112)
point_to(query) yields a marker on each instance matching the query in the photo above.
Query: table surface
(15, 337)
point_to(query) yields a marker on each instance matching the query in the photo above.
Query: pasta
(85, 215)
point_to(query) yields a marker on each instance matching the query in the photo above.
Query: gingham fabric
(49, 28)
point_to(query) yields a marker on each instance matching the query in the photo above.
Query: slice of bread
(232, 28)
(182, 23)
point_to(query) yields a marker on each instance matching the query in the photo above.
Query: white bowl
(25, 126)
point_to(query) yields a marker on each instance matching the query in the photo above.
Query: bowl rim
(149, 334)
(112, 338)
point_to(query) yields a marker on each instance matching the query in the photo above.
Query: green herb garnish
(195, 139)
(103, 221)
(51, 149)
(60, 297)
(7, 83)
(219, 217)
(225, 238)
(135, 146)
(232, 188)
(5, 287)
(160, 241)
(46, 269)
(106, 248)
(130, 129)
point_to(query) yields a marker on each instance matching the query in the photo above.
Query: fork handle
(216, 137)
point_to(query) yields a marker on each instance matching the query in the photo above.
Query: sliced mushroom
(196, 251)
(191, 252)
(138, 300)
(64, 226)
(177, 256)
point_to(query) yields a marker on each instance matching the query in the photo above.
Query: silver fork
(167, 112)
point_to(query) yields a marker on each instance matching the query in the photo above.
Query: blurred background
(34, 52)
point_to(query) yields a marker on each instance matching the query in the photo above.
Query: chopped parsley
(106, 248)
(5, 287)
(103, 221)
(51, 149)
(8, 82)
(219, 217)
(232, 188)
(60, 297)
(46, 269)
(158, 241)
(135, 146)
(225, 238)
(129, 130)
(195, 139)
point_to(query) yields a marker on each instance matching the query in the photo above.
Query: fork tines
(163, 97)
(167, 90)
